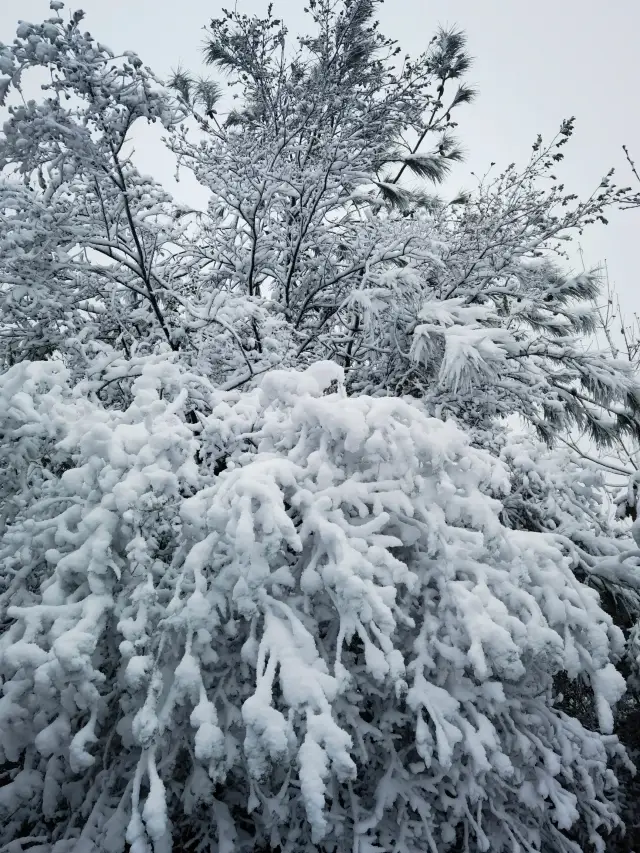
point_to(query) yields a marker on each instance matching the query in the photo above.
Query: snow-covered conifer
(333, 641)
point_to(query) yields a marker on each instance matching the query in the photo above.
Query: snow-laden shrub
(296, 623)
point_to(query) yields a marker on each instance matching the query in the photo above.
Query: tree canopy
(301, 545)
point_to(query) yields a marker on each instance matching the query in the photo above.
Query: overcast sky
(536, 63)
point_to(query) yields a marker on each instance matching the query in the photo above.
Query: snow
(359, 512)
(277, 570)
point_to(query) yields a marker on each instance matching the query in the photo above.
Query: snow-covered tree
(461, 303)
(276, 572)
(333, 642)
(87, 241)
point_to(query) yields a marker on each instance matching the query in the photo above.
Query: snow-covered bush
(333, 641)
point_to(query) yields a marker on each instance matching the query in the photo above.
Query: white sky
(536, 64)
